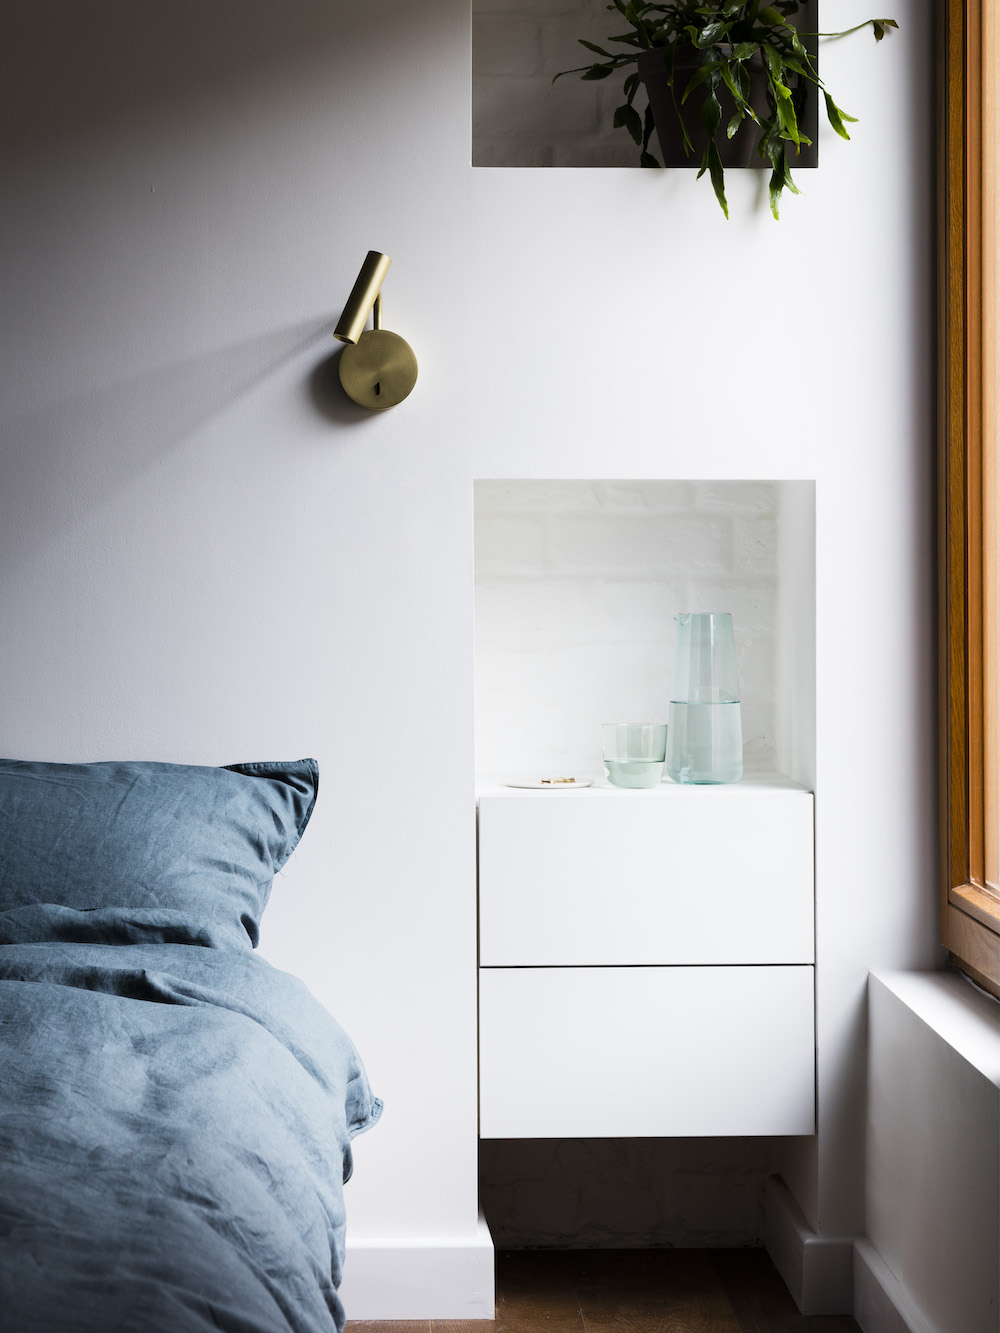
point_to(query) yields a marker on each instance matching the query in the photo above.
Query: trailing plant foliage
(726, 35)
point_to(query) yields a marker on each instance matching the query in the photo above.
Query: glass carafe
(705, 735)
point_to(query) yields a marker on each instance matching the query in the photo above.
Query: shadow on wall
(76, 68)
(92, 444)
(328, 397)
(109, 287)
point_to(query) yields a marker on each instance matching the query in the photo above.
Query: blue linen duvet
(175, 1126)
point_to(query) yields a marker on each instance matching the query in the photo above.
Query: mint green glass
(634, 753)
(706, 733)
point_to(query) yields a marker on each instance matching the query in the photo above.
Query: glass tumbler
(706, 734)
(634, 753)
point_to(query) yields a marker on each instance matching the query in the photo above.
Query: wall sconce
(377, 368)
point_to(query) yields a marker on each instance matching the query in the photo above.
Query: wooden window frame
(969, 401)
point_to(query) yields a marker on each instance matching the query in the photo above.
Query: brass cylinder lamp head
(362, 298)
(377, 368)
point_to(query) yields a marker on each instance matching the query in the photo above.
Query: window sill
(961, 1014)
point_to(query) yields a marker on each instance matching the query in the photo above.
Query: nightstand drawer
(645, 1051)
(673, 875)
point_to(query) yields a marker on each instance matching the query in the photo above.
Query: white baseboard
(880, 1303)
(454, 1278)
(818, 1270)
(434, 1278)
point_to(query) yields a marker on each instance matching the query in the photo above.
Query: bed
(176, 1115)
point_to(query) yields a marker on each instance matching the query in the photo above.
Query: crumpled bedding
(175, 1127)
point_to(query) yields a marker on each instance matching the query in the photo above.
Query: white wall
(208, 555)
(591, 364)
(933, 1170)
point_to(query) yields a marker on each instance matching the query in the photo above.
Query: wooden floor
(633, 1291)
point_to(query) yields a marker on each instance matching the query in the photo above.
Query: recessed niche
(521, 119)
(577, 585)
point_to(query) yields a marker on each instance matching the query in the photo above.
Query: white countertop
(495, 785)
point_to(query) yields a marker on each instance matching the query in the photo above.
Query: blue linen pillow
(203, 841)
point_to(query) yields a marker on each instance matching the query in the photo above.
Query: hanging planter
(726, 82)
(672, 121)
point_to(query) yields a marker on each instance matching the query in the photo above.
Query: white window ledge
(960, 1013)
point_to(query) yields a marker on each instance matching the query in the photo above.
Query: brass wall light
(377, 368)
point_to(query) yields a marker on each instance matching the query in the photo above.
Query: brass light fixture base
(379, 370)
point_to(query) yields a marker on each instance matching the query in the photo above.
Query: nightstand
(646, 961)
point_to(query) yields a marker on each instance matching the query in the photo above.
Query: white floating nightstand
(646, 961)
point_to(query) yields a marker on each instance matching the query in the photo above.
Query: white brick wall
(577, 584)
(519, 117)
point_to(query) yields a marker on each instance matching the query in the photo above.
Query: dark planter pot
(739, 151)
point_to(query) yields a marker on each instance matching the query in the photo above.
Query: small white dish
(550, 784)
